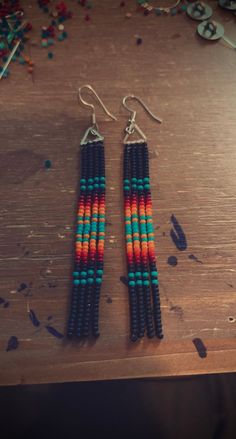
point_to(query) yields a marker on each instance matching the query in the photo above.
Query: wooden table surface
(191, 85)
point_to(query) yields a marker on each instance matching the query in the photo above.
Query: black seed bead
(145, 160)
(134, 161)
(126, 163)
(96, 165)
(149, 312)
(133, 314)
(95, 321)
(157, 310)
(80, 311)
(141, 311)
(139, 161)
(87, 311)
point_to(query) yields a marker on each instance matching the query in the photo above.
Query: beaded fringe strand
(89, 246)
(145, 311)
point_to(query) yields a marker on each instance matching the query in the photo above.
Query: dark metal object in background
(228, 4)
(199, 11)
(210, 30)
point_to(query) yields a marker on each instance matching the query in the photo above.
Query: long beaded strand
(93, 238)
(88, 242)
(76, 306)
(144, 245)
(151, 244)
(136, 240)
(85, 244)
(129, 246)
(100, 236)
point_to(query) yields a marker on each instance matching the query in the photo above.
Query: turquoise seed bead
(98, 280)
(83, 188)
(146, 283)
(82, 181)
(139, 282)
(75, 273)
(102, 179)
(100, 272)
(134, 186)
(131, 275)
(126, 181)
(90, 280)
(102, 186)
(140, 188)
(154, 273)
(83, 274)
(132, 283)
(147, 186)
(90, 187)
(83, 281)
(96, 179)
(90, 271)
(138, 274)
(96, 185)
(126, 188)
(155, 281)
(76, 281)
(140, 181)
(134, 180)
(146, 180)
(145, 275)
(90, 180)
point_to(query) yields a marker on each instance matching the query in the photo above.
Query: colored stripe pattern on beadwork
(89, 244)
(143, 284)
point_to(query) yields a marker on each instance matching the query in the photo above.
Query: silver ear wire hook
(91, 105)
(94, 128)
(132, 126)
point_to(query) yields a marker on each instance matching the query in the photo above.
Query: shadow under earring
(143, 284)
(90, 232)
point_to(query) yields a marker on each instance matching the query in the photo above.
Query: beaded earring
(90, 231)
(143, 284)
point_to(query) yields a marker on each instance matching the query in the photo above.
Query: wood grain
(190, 84)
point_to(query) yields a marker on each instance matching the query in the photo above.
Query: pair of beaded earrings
(145, 311)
